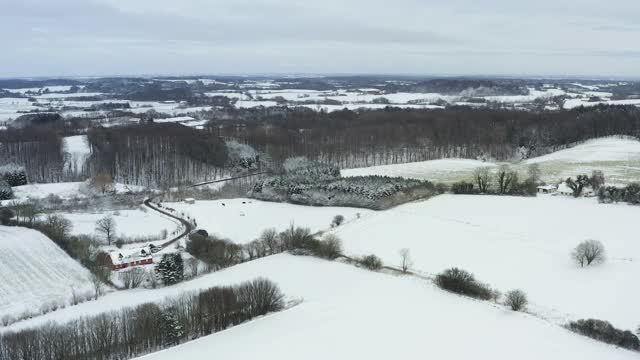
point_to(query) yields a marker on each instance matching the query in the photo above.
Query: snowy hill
(517, 243)
(359, 314)
(618, 158)
(349, 313)
(35, 273)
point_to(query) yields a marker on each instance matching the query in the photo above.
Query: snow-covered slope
(76, 152)
(349, 313)
(428, 170)
(602, 149)
(35, 272)
(517, 243)
(242, 220)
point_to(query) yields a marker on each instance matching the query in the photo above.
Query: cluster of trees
(505, 181)
(605, 332)
(375, 137)
(37, 148)
(156, 155)
(463, 282)
(612, 194)
(131, 332)
(218, 253)
(312, 183)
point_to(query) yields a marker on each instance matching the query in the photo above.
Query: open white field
(242, 220)
(35, 272)
(514, 242)
(393, 317)
(618, 158)
(65, 190)
(130, 223)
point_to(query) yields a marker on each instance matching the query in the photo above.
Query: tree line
(158, 155)
(131, 332)
(389, 136)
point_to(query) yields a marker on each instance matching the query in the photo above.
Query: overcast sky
(452, 37)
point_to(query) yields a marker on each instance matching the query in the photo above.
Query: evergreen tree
(13, 174)
(171, 268)
(172, 330)
(6, 192)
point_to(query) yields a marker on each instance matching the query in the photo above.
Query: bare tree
(132, 278)
(337, 220)
(97, 285)
(107, 227)
(516, 300)
(597, 179)
(506, 179)
(578, 184)
(193, 265)
(405, 259)
(482, 177)
(534, 172)
(103, 182)
(269, 237)
(588, 252)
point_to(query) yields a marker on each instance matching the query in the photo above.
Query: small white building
(564, 189)
(547, 189)
(189, 201)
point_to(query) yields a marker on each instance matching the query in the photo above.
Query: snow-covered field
(444, 170)
(77, 151)
(242, 220)
(67, 190)
(129, 223)
(515, 242)
(618, 158)
(35, 272)
(351, 313)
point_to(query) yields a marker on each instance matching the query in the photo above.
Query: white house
(564, 189)
(190, 201)
(547, 189)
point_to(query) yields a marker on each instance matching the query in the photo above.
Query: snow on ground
(54, 88)
(77, 151)
(358, 314)
(573, 103)
(516, 242)
(66, 190)
(618, 158)
(129, 223)
(441, 170)
(35, 272)
(10, 107)
(603, 149)
(243, 223)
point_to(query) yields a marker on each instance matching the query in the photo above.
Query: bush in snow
(14, 175)
(516, 300)
(605, 332)
(463, 282)
(171, 268)
(6, 192)
(371, 262)
(462, 187)
(589, 252)
(330, 247)
(337, 220)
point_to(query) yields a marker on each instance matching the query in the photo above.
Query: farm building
(547, 189)
(125, 258)
(189, 201)
(564, 189)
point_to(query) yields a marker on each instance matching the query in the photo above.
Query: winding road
(185, 224)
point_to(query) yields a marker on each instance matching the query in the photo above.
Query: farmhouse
(546, 189)
(125, 258)
(189, 201)
(564, 189)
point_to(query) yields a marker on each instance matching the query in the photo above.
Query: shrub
(330, 247)
(337, 220)
(14, 175)
(371, 262)
(516, 300)
(462, 187)
(588, 252)
(441, 188)
(463, 282)
(605, 332)
(119, 243)
(6, 192)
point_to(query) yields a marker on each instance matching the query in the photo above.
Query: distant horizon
(298, 75)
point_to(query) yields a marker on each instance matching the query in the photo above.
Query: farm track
(187, 225)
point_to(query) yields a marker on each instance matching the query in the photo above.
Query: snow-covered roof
(129, 255)
(547, 187)
(564, 188)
